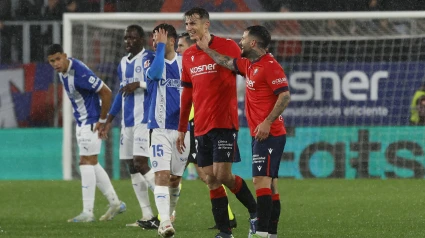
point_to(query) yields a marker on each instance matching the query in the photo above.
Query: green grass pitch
(310, 208)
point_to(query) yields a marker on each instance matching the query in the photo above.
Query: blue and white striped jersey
(82, 85)
(165, 92)
(134, 106)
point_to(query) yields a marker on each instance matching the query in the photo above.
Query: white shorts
(164, 154)
(134, 141)
(88, 141)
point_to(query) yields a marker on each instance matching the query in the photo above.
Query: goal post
(351, 74)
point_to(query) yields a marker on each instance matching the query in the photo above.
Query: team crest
(146, 64)
(255, 71)
(193, 57)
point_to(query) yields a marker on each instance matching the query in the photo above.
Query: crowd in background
(52, 10)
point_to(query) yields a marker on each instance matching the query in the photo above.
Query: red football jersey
(265, 80)
(213, 86)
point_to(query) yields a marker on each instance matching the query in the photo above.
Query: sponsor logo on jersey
(250, 84)
(203, 69)
(174, 83)
(279, 81)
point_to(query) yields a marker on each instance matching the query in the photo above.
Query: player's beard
(245, 53)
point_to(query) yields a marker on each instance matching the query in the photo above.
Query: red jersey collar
(261, 57)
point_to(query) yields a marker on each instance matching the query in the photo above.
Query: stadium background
(334, 139)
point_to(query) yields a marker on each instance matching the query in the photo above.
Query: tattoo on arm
(222, 60)
(280, 106)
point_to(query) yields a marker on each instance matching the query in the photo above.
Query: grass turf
(310, 208)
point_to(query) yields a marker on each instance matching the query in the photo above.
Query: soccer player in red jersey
(267, 96)
(212, 89)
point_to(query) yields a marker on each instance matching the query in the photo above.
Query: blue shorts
(218, 145)
(266, 156)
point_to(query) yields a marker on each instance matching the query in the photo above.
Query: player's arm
(282, 102)
(105, 95)
(131, 87)
(223, 60)
(113, 111)
(263, 129)
(157, 67)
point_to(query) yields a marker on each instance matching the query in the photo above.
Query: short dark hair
(137, 28)
(53, 49)
(171, 31)
(186, 37)
(203, 14)
(261, 33)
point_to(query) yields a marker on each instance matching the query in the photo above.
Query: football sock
(219, 204)
(244, 195)
(162, 200)
(174, 198)
(88, 187)
(150, 178)
(275, 214)
(105, 186)
(140, 187)
(264, 199)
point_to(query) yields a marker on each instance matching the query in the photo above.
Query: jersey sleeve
(146, 62)
(275, 77)
(117, 103)
(86, 79)
(157, 65)
(241, 65)
(186, 81)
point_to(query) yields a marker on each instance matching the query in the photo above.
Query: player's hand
(105, 130)
(262, 131)
(129, 88)
(180, 142)
(161, 35)
(202, 42)
(99, 128)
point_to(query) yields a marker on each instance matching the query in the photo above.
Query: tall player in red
(267, 96)
(212, 89)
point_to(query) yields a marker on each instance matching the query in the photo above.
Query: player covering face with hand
(164, 86)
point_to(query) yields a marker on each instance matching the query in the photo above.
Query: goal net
(352, 78)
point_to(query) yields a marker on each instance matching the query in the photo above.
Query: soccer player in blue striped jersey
(90, 99)
(132, 100)
(164, 86)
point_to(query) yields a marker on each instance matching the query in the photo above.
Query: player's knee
(212, 182)
(174, 181)
(262, 182)
(130, 165)
(162, 178)
(141, 164)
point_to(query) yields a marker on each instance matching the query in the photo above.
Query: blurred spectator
(5, 32)
(417, 107)
(72, 6)
(54, 10)
(139, 6)
(368, 26)
(285, 28)
(29, 10)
